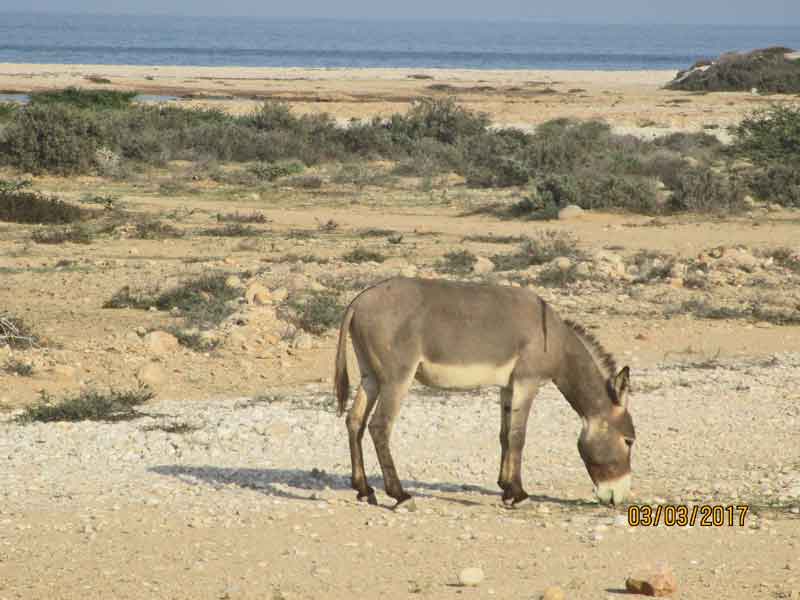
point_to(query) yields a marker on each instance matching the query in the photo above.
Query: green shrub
(203, 302)
(156, 230)
(318, 312)
(235, 217)
(770, 135)
(88, 405)
(18, 367)
(538, 251)
(8, 110)
(273, 171)
(230, 230)
(779, 183)
(81, 98)
(52, 138)
(699, 189)
(360, 255)
(36, 208)
(458, 262)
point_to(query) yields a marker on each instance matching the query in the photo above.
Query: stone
(553, 592)
(152, 374)
(304, 341)
(161, 342)
(64, 371)
(571, 211)
(279, 295)
(471, 576)
(482, 266)
(234, 282)
(563, 264)
(257, 294)
(583, 270)
(660, 583)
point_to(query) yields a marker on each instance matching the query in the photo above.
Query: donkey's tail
(341, 380)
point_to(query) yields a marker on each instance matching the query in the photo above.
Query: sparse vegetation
(156, 230)
(18, 367)
(173, 427)
(203, 302)
(704, 309)
(553, 276)
(538, 251)
(236, 217)
(75, 234)
(14, 332)
(237, 229)
(360, 255)
(88, 405)
(83, 98)
(316, 312)
(457, 262)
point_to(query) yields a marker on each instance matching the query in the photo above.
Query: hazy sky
(745, 12)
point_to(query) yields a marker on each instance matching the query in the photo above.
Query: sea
(325, 43)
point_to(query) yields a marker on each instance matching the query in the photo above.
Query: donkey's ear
(621, 381)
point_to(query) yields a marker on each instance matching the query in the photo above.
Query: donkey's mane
(602, 357)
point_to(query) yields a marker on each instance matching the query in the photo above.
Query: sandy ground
(253, 503)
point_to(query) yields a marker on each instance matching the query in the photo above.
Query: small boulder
(482, 266)
(257, 294)
(571, 211)
(471, 576)
(161, 342)
(660, 583)
(563, 264)
(152, 374)
(304, 341)
(234, 282)
(553, 592)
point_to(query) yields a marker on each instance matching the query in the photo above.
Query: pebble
(553, 592)
(471, 576)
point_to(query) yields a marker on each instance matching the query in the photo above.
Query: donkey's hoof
(368, 498)
(407, 505)
(508, 501)
(523, 503)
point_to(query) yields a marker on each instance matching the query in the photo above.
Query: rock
(583, 270)
(661, 583)
(571, 211)
(563, 264)
(152, 374)
(161, 342)
(471, 576)
(739, 258)
(482, 266)
(553, 592)
(257, 294)
(279, 295)
(65, 371)
(304, 341)
(234, 282)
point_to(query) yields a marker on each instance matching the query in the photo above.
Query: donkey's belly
(463, 376)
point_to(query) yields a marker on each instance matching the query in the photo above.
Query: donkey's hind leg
(380, 428)
(504, 479)
(356, 424)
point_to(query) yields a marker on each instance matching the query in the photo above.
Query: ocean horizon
(348, 43)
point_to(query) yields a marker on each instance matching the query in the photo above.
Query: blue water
(326, 43)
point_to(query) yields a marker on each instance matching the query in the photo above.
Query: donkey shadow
(277, 482)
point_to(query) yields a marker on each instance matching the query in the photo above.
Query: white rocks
(482, 266)
(303, 341)
(571, 211)
(471, 576)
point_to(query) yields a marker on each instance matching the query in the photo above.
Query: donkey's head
(606, 441)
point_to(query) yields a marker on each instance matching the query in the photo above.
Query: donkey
(452, 335)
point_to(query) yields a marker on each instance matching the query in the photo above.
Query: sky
(744, 12)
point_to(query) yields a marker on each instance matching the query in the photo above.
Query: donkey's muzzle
(613, 491)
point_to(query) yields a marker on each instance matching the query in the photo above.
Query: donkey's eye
(629, 441)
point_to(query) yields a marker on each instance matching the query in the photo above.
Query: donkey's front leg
(504, 479)
(521, 399)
